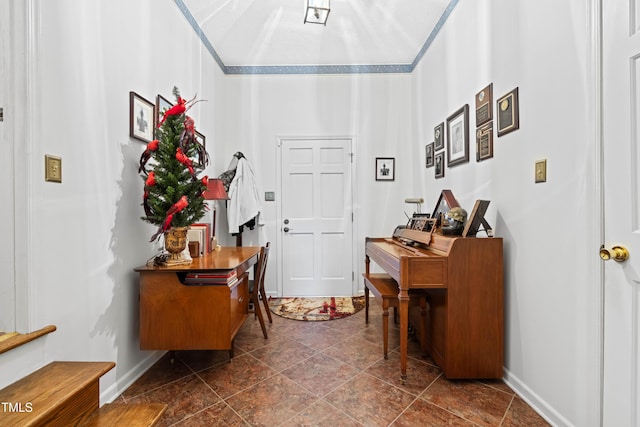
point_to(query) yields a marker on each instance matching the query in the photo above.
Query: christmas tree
(169, 167)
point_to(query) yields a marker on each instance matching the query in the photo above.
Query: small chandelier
(317, 12)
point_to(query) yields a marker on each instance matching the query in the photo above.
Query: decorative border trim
(315, 69)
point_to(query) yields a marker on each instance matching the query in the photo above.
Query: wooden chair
(386, 290)
(256, 288)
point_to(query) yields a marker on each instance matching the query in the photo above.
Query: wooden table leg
(403, 302)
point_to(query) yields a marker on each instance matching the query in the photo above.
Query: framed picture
(429, 155)
(508, 113)
(141, 118)
(446, 202)
(484, 105)
(439, 164)
(201, 139)
(162, 104)
(484, 142)
(476, 218)
(458, 137)
(438, 137)
(385, 168)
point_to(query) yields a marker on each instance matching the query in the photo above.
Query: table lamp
(215, 191)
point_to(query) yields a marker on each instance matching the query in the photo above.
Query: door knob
(618, 253)
(286, 229)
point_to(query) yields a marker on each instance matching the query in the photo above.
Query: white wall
(87, 236)
(542, 48)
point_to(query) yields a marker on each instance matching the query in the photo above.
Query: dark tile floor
(328, 373)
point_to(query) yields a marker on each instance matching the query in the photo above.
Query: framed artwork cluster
(144, 117)
(454, 132)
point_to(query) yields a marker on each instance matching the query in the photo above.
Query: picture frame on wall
(141, 117)
(162, 104)
(508, 113)
(438, 137)
(385, 168)
(201, 139)
(484, 105)
(429, 155)
(439, 164)
(484, 142)
(458, 137)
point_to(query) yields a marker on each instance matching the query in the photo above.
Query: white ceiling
(269, 33)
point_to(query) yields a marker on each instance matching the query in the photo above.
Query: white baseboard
(536, 402)
(124, 382)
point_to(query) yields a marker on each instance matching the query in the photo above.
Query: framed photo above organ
(484, 142)
(429, 155)
(508, 113)
(439, 164)
(458, 137)
(484, 105)
(438, 137)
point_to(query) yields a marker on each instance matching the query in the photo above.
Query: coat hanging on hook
(244, 204)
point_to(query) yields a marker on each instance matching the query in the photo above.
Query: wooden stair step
(126, 414)
(58, 394)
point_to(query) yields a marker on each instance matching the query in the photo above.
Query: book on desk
(228, 278)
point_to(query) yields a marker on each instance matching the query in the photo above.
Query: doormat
(316, 309)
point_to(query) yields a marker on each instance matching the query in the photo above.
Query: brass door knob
(617, 253)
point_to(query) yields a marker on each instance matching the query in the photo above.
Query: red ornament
(179, 108)
(180, 156)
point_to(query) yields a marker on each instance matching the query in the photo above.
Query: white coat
(244, 203)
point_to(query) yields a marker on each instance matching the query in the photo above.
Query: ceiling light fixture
(317, 12)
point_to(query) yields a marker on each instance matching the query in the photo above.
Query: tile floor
(328, 373)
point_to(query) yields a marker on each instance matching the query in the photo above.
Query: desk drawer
(239, 303)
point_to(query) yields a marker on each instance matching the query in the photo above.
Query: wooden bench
(385, 289)
(67, 394)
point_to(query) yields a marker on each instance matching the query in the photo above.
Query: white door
(316, 217)
(621, 131)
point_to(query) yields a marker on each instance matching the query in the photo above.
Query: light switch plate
(541, 170)
(52, 168)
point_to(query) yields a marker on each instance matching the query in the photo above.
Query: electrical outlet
(52, 168)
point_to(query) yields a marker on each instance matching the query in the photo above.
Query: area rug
(316, 309)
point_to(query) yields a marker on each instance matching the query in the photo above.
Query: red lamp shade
(215, 190)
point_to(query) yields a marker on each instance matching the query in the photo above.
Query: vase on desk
(175, 242)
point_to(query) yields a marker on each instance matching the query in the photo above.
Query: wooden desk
(174, 316)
